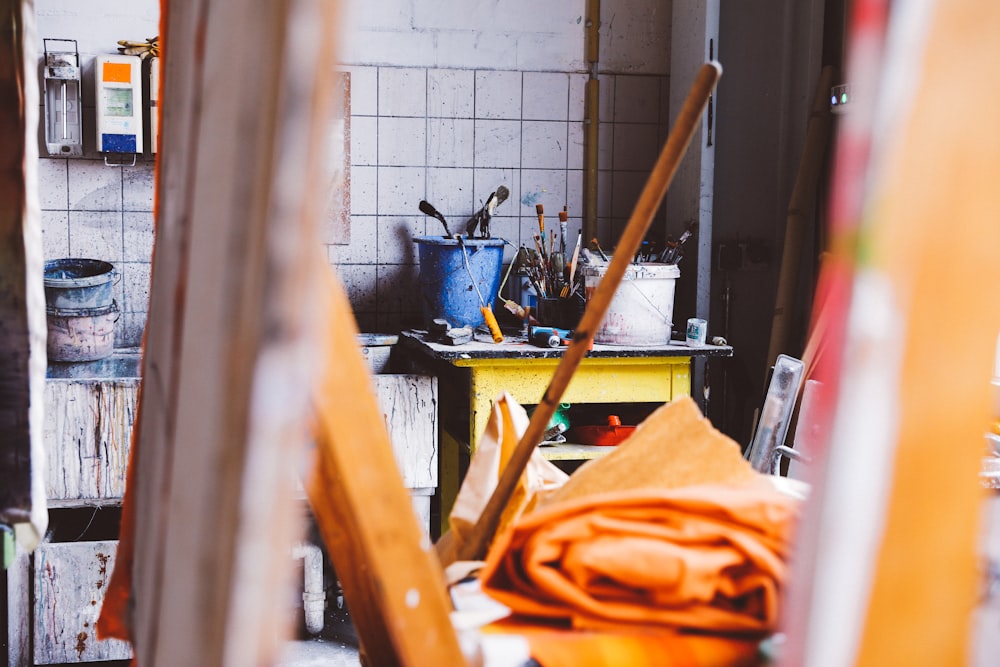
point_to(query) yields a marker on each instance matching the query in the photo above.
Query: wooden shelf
(566, 451)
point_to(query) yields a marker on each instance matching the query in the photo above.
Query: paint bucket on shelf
(446, 283)
(377, 348)
(80, 310)
(81, 334)
(74, 282)
(642, 310)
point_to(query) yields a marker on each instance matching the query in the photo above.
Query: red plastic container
(612, 434)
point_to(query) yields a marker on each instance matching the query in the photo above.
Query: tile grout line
(378, 171)
(69, 250)
(520, 161)
(566, 151)
(121, 221)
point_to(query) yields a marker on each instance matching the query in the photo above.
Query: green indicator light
(843, 98)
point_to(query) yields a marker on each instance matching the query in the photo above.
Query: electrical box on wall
(118, 104)
(63, 101)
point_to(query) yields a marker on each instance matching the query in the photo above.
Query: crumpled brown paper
(674, 447)
(508, 422)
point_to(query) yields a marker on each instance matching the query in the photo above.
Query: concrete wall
(507, 34)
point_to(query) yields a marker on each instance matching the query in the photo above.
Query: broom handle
(476, 543)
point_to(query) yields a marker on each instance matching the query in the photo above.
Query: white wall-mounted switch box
(118, 104)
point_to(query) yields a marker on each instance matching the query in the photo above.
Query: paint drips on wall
(532, 198)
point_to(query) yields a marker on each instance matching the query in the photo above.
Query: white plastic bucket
(642, 310)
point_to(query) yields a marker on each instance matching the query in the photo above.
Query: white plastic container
(377, 348)
(642, 310)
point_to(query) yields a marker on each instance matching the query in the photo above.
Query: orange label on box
(118, 72)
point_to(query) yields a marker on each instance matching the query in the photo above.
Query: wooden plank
(70, 579)
(393, 584)
(19, 610)
(228, 365)
(801, 208)
(573, 452)
(88, 436)
(22, 299)
(887, 569)
(336, 224)
(409, 408)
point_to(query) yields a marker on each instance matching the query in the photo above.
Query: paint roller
(484, 308)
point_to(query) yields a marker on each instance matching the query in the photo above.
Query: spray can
(545, 339)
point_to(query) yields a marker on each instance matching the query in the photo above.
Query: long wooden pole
(479, 537)
(799, 209)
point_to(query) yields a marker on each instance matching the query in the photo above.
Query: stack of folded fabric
(669, 551)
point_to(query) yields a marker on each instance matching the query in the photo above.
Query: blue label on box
(118, 143)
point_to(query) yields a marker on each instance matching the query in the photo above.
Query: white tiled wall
(448, 100)
(94, 211)
(512, 35)
(452, 136)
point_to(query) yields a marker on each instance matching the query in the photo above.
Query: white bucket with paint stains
(642, 310)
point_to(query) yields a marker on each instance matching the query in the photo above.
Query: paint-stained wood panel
(229, 356)
(88, 432)
(70, 580)
(335, 225)
(22, 299)
(19, 609)
(409, 407)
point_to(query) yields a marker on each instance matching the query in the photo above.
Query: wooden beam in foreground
(392, 580)
(22, 299)
(229, 362)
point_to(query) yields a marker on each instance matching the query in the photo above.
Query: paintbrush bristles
(539, 209)
(563, 216)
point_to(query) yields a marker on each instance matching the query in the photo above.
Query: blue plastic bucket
(446, 288)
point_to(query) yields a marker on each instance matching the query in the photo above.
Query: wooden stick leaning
(800, 204)
(476, 543)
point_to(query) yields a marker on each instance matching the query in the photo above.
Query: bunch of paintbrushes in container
(556, 281)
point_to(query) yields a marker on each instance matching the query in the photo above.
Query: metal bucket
(78, 283)
(81, 334)
(642, 310)
(377, 348)
(447, 290)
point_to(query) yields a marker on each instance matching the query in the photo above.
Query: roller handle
(491, 322)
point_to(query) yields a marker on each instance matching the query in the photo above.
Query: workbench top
(518, 347)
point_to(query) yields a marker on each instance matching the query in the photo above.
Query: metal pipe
(65, 134)
(591, 119)
(313, 593)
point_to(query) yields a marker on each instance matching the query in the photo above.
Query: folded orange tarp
(710, 558)
(552, 646)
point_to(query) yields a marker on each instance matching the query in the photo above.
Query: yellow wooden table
(473, 375)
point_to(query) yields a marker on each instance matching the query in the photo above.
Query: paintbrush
(569, 288)
(540, 210)
(427, 209)
(600, 251)
(563, 220)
